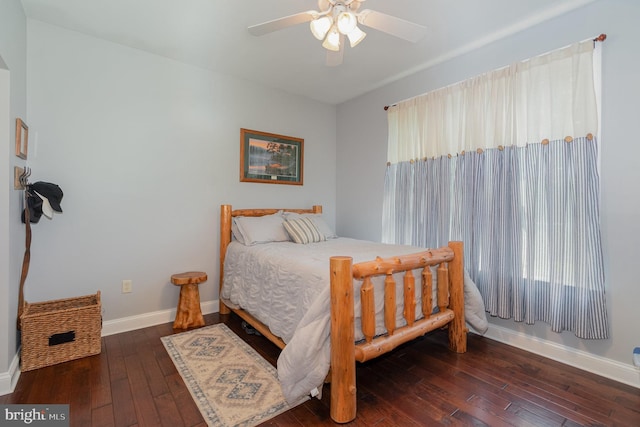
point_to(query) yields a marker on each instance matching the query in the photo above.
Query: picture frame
(22, 138)
(270, 158)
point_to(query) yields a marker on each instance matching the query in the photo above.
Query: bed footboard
(344, 353)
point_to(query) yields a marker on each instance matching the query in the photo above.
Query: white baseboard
(617, 371)
(9, 379)
(144, 320)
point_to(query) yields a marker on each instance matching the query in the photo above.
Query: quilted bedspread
(286, 286)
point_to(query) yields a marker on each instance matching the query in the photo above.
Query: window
(508, 163)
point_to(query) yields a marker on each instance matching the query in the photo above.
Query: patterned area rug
(229, 381)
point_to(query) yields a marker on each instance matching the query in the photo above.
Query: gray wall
(146, 149)
(362, 134)
(13, 94)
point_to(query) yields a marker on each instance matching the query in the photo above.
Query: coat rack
(20, 177)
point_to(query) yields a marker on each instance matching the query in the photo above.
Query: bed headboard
(226, 216)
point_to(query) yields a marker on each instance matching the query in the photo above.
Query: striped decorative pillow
(303, 230)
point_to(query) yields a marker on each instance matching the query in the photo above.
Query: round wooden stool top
(188, 278)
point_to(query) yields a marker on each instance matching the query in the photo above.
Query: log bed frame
(344, 351)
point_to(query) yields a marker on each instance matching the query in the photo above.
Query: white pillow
(319, 222)
(235, 232)
(474, 311)
(303, 230)
(252, 230)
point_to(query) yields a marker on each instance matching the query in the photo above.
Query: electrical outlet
(127, 286)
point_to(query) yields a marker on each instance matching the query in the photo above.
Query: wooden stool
(189, 313)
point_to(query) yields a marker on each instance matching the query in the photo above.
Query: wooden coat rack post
(27, 251)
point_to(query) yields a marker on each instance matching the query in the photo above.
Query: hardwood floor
(133, 383)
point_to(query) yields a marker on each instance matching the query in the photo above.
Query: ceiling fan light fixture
(332, 41)
(356, 36)
(320, 27)
(346, 22)
(337, 19)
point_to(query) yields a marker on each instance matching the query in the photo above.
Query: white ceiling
(213, 34)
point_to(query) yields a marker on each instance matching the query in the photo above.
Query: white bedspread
(286, 286)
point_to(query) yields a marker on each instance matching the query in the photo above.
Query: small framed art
(22, 138)
(270, 158)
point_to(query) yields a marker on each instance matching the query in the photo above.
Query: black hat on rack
(34, 203)
(52, 192)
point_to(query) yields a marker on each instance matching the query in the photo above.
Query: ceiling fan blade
(398, 27)
(280, 23)
(334, 58)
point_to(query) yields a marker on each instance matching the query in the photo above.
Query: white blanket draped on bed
(286, 286)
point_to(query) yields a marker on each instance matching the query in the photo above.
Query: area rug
(229, 381)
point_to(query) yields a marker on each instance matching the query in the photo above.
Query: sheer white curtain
(507, 162)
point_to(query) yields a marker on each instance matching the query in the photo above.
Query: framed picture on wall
(22, 138)
(270, 158)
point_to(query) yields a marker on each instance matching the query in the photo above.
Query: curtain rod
(602, 37)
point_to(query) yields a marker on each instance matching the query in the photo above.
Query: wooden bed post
(457, 328)
(225, 239)
(343, 362)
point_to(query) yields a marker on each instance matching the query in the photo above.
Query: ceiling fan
(339, 19)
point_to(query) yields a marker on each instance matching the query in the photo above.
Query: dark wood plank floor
(133, 383)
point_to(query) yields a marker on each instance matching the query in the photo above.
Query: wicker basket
(60, 330)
